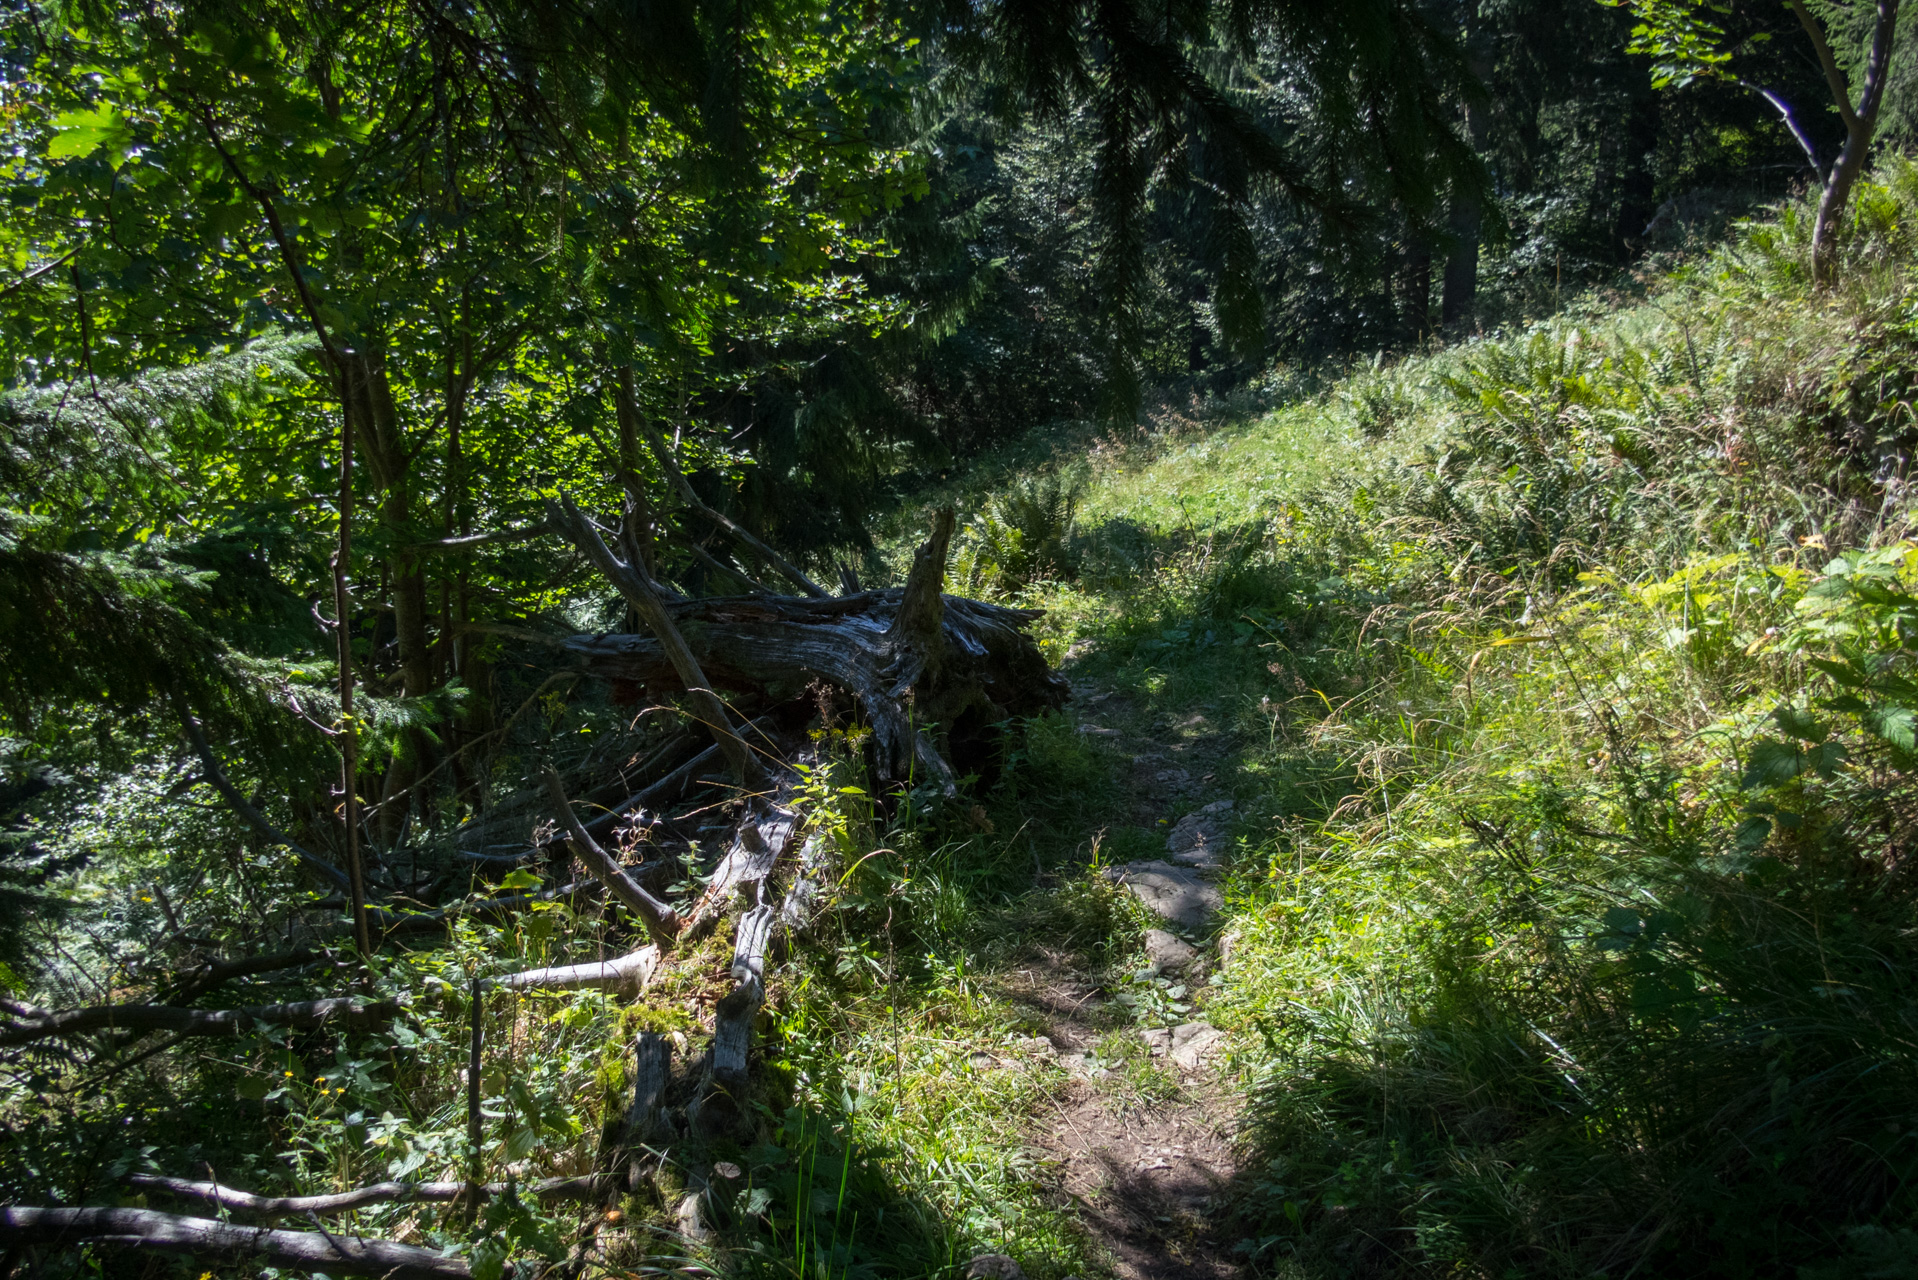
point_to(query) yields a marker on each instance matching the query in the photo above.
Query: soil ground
(1145, 1168)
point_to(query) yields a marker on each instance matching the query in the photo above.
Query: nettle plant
(1845, 750)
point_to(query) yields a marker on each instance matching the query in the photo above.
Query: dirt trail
(1145, 1168)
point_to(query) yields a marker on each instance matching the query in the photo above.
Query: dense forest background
(367, 373)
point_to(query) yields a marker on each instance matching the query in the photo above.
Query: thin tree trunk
(343, 628)
(1860, 124)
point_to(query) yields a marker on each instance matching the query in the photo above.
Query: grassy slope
(1531, 975)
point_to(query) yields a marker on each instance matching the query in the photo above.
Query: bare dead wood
(630, 972)
(662, 922)
(212, 1240)
(215, 775)
(733, 1017)
(776, 646)
(234, 1200)
(758, 843)
(669, 467)
(918, 633)
(639, 590)
(337, 1010)
(476, 541)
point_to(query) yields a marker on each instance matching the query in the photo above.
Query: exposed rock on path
(1181, 895)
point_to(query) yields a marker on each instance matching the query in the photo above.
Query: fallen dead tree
(37, 1024)
(214, 1241)
(913, 658)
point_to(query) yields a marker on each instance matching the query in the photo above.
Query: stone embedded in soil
(1189, 1044)
(993, 1266)
(1166, 953)
(1178, 894)
(1199, 839)
(1167, 782)
(1193, 1042)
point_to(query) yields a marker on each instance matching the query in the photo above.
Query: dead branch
(234, 1200)
(242, 806)
(473, 542)
(661, 921)
(144, 1018)
(669, 467)
(630, 972)
(639, 591)
(213, 1240)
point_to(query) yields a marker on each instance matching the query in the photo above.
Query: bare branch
(242, 806)
(210, 1239)
(661, 921)
(669, 466)
(36, 1024)
(630, 972)
(234, 1200)
(633, 583)
(473, 542)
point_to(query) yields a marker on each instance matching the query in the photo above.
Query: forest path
(1140, 1133)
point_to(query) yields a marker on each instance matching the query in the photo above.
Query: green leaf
(1896, 725)
(81, 133)
(520, 878)
(1771, 763)
(1796, 722)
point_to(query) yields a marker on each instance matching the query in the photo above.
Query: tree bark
(1860, 124)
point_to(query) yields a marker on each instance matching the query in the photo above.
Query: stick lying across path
(36, 1024)
(212, 1240)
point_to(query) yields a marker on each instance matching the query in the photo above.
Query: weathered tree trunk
(911, 658)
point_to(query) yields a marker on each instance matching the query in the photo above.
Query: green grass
(1556, 952)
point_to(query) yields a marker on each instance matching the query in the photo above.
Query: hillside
(1558, 684)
